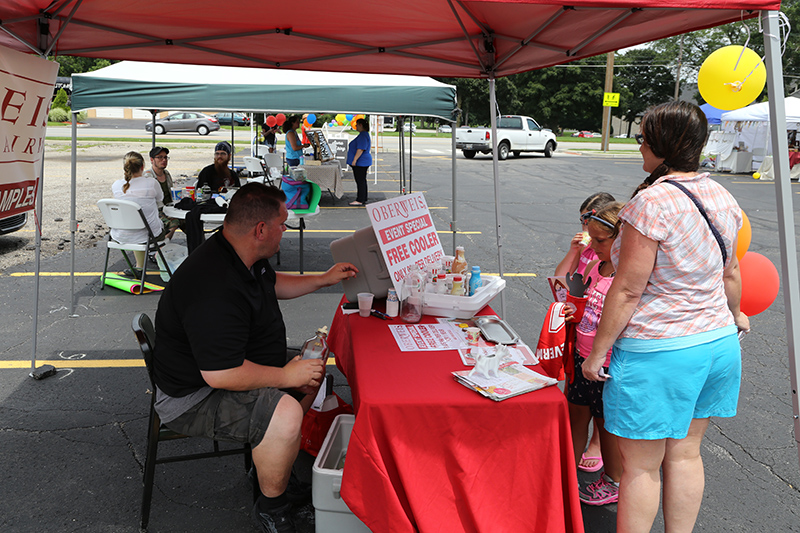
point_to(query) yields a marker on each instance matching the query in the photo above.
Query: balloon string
(784, 26)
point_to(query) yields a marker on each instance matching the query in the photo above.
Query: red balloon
(760, 283)
(281, 118)
(271, 121)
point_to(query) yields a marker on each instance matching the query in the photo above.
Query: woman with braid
(147, 193)
(671, 316)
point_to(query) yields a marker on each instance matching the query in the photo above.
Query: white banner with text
(26, 90)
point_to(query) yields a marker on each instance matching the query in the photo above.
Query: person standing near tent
(268, 137)
(294, 148)
(219, 175)
(672, 316)
(359, 158)
(159, 158)
(144, 191)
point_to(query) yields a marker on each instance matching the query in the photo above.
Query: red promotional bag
(550, 348)
(316, 424)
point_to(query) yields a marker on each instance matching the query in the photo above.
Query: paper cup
(188, 192)
(473, 334)
(176, 194)
(365, 303)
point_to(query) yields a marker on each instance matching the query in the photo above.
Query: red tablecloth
(428, 454)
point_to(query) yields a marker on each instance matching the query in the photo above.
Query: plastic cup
(365, 303)
(473, 334)
(176, 194)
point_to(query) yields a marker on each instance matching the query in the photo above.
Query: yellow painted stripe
(97, 274)
(89, 363)
(353, 231)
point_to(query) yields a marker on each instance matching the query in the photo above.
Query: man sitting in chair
(220, 357)
(219, 175)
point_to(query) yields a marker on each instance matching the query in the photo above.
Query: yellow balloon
(727, 85)
(756, 175)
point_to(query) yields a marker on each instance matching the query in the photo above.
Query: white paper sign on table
(426, 337)
(406, 234)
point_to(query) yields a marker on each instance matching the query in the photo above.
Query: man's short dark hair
(254, 203)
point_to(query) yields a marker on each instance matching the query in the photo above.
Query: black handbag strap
(699, 206)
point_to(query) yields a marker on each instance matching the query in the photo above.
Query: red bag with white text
(550, 348)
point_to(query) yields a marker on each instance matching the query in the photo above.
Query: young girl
(578, 256)
(586, 397)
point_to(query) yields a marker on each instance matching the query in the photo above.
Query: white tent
(747, 130)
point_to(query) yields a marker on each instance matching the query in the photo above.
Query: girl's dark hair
(287, 125)
(676, 131)
(596, 201)
(364, 124)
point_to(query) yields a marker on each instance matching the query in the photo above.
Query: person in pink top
(585, 397)
(671, 316)
(578, 256)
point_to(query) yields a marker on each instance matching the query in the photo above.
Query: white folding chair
(274, 160)
(253, 166)
(128, 215)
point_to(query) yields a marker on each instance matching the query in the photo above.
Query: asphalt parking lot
(73, 444)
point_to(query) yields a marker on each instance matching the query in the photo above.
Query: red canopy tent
(453, 38)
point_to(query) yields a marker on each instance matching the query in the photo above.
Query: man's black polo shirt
(213, 315)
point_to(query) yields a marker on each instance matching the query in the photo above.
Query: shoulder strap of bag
(711, 226)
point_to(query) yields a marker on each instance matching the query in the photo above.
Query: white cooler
(450, 306)
(331, 513)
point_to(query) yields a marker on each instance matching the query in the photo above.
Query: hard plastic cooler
(331, 514)
(361, 248)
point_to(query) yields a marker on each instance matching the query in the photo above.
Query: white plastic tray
(464, 306)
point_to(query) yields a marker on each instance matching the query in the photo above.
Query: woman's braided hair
(677, 132)
(132, 165)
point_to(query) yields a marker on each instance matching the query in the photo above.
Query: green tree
(69, 65)
(61, 100)
(643, 80)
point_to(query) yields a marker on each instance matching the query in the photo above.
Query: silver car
(185, 121)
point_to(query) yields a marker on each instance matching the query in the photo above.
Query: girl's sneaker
(601, 492)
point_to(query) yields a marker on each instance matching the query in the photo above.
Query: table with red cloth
(428, 454)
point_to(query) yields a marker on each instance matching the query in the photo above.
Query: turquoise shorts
(655, 395)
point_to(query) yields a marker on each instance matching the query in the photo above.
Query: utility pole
(678, 75)
(607, 110)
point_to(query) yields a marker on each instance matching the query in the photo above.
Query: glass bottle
(317, 346)
(413, 295)
(460, 262)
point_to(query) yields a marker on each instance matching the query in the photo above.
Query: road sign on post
(610, 99)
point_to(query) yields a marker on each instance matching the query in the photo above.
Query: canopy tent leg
(496, 174)
(73, 217)
(153, 135)
(37, 214)
(410, 154)
(402, 153)
(233, 145)
(453, 224)
(783, 198)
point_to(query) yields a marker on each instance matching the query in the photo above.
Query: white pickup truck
(515, 134)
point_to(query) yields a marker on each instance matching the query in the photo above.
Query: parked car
(13, 223)
(239, 118)
(188, 121)
(515, 134)
(410, 126)
(621, 136)
(587, 134)
(444, 128)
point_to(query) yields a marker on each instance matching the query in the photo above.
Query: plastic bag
(316, 424)
(174, 254)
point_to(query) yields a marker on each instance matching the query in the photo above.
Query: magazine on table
(512, 380)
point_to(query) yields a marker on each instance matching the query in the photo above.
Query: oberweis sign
(26, 89)
(406, 234)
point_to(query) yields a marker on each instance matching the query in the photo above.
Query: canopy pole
(73, 218)
(453, 224)
(402, 152)
(153, 113)
(410, 154)
(233, 146)
(37, 262)
(783, 198)
(496, 173)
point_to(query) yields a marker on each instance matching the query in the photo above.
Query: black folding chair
(145, 335)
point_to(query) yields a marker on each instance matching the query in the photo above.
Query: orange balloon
(744, 237)
(760, 283)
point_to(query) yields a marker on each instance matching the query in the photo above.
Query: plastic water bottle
(475, 282)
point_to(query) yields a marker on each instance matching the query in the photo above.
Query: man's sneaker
(601, 492)
(276, 520)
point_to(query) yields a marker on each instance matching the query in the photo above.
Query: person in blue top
(359, 158)
(294, 147)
